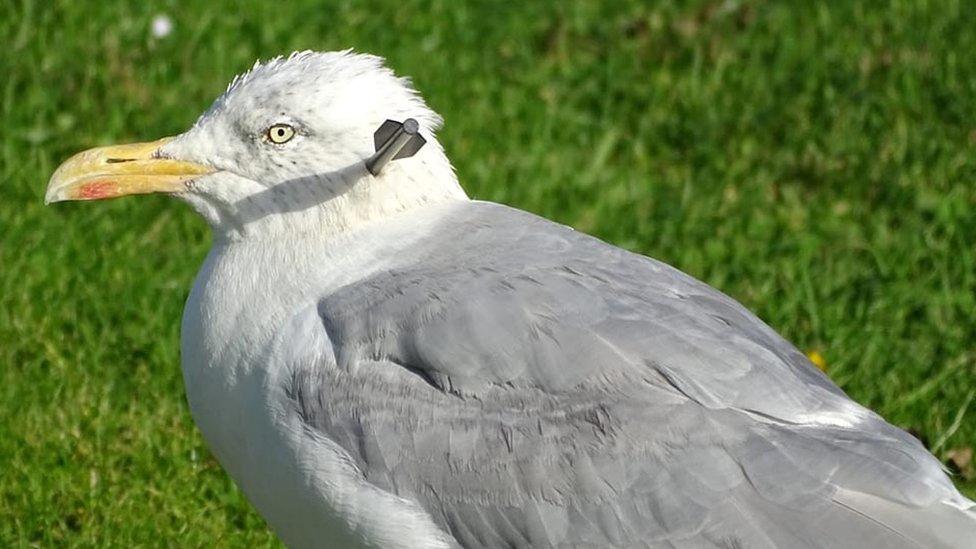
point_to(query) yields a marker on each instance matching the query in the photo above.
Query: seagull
(378, 360)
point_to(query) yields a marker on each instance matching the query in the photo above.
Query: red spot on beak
(96, 190)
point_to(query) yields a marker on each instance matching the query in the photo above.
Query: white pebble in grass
(162, 26)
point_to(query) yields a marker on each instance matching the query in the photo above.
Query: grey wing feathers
(533, 386)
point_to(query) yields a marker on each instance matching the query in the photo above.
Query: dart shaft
(392, 146)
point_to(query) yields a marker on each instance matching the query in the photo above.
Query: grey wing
(532, 386)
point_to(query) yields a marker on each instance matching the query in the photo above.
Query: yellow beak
(120, 170)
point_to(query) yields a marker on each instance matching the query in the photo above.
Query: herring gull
(378, 360)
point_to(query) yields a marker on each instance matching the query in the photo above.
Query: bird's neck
(333, 204)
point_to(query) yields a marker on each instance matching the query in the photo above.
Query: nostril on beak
(118, 160)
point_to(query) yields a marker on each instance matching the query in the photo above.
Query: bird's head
(282, 149)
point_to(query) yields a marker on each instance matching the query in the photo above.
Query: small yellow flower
(818, 360)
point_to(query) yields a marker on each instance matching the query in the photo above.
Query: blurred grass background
(815, 160)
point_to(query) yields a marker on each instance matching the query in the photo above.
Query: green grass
(817, 162)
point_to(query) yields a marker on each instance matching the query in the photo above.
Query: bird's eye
(280, 133)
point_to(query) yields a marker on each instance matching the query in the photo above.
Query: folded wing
(531, 385)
